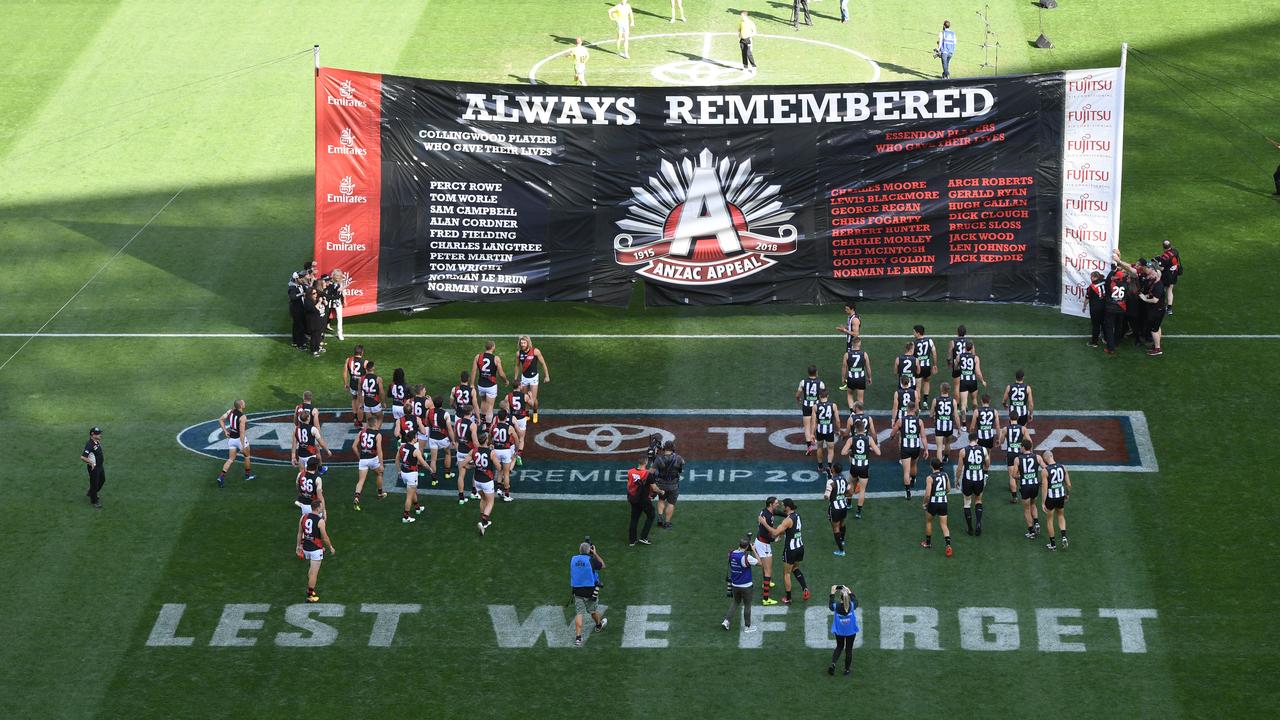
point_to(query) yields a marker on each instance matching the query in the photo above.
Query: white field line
(594, 336)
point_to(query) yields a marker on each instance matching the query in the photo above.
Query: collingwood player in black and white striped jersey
(909, 429)
(792, 530)
(858, 447)
(945, 421)
(1055, 487)
(984, 424)
(957, 345)
(926, 354)
(1013, 437)
(837, 494)
(967, 369)
(972, 467)
(1018, 399)
(826, 421)
(1029, 488)
(937, 485)
(903, 395)
(856, 371)
(904, 365)
(807, 398)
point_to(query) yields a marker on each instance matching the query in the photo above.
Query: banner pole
(1124, 63)
(315, 54)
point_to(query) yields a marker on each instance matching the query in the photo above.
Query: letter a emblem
(704, 213)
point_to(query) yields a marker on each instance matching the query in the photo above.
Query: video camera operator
(584, 580)
(668, 466)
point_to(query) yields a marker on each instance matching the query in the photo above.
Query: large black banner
(916, 190)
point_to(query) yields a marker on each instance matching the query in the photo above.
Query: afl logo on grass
(271, 438)
(704, 225)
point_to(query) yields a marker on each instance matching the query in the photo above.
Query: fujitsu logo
(347, 193)
(1088, 84)
(702, 224)
(1087, 114)
(1084, 203)
(347, 144)
(1075, 290)
(1085, 173)
(1083, 233)
(1084, 262)
(347, 96)
(1088, 144)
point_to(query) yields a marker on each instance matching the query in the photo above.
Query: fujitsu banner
(918, 190)
(1091, 183)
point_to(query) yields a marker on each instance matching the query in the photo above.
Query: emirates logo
(346, 186)
(704, 224)
(347, 138)
(346, 234)
(346, 90)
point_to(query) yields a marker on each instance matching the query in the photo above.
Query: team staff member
(312, 538)
(641, 489)
(796, 7)
(668, 467)
(746, 34)
(741, 558)
(763, 546)
(1055, 486)
(838, 494)
(623, 17)
(530, 359)
(1095, 300)
(677, 4)
(298, 284)
(97, 467)
(235, 428)
(1152, 301)
(316, 310)
(791, 528)
(937, 486)
(584, 581)
(946, 47)
(844, 625)
(579, 56)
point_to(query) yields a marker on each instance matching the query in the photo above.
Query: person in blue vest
(946, 47)
(584, 577)
(741, 558)
(844, 625)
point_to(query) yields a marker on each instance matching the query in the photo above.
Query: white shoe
(507, 498)
(749, 629)
(724, 624)
(480, 527)
(408, 520)
(603, 622)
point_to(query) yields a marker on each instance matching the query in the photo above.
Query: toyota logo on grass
(593, 438)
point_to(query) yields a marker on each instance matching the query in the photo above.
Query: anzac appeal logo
(704, 225)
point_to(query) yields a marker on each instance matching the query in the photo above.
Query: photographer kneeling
(584, 577)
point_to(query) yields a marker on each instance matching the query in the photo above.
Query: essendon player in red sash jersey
(235, 427)
(486, 465)
(352, 371)
(304, 413)
(529, 359)
(488, 369)
(465, 438)
(371, 396)
(398, 394)
(406, 428)
(306, 440)
(502, 435)
(310, 487)
(439, 437)
(409, 459)
(463, 394)
(369, 452)
(312, 538)
(517, 406)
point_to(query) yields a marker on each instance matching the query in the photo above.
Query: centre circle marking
(699, 72)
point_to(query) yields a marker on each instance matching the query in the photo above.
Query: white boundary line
(875, 67)
(595, 336)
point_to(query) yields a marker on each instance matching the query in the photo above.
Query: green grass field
(117, 110)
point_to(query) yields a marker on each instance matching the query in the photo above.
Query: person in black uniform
(299, 283)
(1029, 487)
(937, 486)
(668, 467)
(1116, 303)
(314, 306)
(641, 489)
(793, 549)
(796, 7)
(838, 494)
(1095, 300)
(97, 467)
